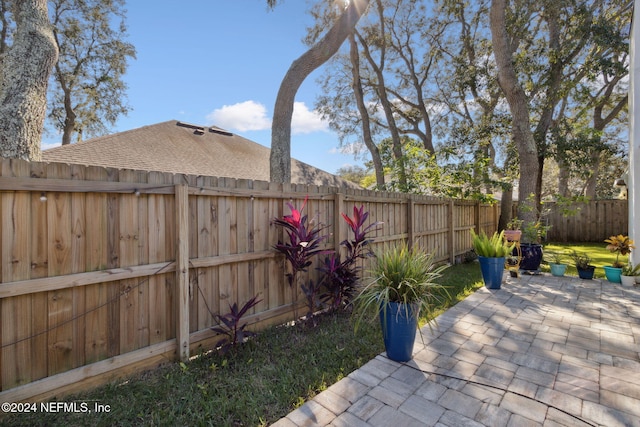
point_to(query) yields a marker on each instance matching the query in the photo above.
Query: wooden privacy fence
(591, 221)
(108, 271)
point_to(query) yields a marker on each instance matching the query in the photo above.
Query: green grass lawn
(266, 379)
(597, 251)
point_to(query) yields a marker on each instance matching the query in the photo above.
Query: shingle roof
(177, 147)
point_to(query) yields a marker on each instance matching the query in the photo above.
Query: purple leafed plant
(341, 277)
(303, 244)
(230, 326)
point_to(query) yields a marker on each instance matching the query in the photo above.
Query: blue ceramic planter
(613, 274)
(399, 325)
(587, 273)
(531, 256)
(558, 269)
(492, 269)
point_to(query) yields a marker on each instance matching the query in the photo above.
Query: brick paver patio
(541, 351)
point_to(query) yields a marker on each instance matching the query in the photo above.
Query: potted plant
(630, 275)
(513, 233)
(531, 246)
(583, 265)
(620, 245)
(556, 263)
(401, 288)
(491, 252)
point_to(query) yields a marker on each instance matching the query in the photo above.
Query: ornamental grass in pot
(401, 289)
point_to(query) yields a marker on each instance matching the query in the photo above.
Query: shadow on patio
(542, 350)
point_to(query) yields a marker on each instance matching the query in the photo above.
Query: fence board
(101, 272)
(591, 221)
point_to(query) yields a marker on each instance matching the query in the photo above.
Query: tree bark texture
(318, 54)
(364, 114)
(518, 105)
(25, 76)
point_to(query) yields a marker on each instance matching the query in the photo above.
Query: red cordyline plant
(302, 245)
(341, 277)
(231, 326)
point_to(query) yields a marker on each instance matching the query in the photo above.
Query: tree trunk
(25, 76)
(563, 178)
(364, 113)
(517, 100)
(506, 204)
(381, 91)
(592, 181)
(280, 158)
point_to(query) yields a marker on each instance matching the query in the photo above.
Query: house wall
(105, 272)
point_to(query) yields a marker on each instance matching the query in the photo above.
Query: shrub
(341, 277)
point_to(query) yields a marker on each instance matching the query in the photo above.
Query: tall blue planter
(399, 325)
(492, 269)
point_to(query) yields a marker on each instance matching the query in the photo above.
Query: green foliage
(581, 260)
(88, 92)
(554, 257)
(535, 232)
(630, 270)
(436, 174)
(403, 275)
(570, 206)
(257, 386)
(515, 224)
(355, 174)
(492, 247)
(596, 251)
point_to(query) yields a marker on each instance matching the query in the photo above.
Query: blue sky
(221, 63)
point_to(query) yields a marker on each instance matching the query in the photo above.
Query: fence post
(452, 231)
(182, 270)
(478, 227)
(337, 221)
(411, 206)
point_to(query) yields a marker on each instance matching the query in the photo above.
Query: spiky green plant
(491, 247)
(403, 275)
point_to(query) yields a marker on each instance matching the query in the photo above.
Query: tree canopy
(449, 95)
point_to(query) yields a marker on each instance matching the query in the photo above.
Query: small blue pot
(492, 269)
(587, 273)
(613, 273)
(399, 325)
(558, 269)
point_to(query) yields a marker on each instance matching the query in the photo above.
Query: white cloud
(251, 115)
(242, 117)
(306, 121)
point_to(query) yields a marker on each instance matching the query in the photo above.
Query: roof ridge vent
(197, 130)
(213, 129)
